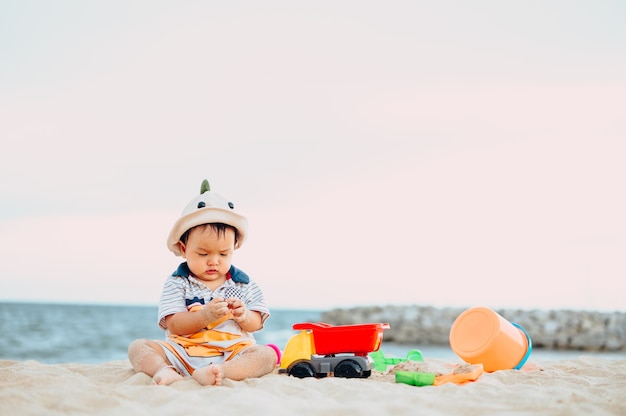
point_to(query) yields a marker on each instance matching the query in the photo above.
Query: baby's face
(209, 254)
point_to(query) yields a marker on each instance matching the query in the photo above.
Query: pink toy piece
(279, 353)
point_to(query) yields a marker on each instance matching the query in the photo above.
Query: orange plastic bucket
(481, 336)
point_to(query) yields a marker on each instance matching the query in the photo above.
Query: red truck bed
(358, 339)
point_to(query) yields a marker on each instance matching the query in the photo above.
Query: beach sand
(580, 386)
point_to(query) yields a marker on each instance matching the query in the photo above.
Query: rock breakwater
(549, 329)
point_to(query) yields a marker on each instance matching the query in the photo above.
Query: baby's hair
(218, 227)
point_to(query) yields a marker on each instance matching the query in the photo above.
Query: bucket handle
(528, 350)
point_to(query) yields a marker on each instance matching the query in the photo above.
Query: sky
(443, 153)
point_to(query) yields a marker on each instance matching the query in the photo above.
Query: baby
(209, 308)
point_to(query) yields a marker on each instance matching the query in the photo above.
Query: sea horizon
(94, 333)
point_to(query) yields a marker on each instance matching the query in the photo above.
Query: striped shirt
(182, 292)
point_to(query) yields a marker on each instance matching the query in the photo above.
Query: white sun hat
(206, 208)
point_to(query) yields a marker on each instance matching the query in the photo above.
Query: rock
(553, 329)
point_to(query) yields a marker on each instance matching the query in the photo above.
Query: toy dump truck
(321, 349)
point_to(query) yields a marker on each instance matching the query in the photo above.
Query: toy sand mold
(482, 336)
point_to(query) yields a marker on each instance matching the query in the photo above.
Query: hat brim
(206, 216)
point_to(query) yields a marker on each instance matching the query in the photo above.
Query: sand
(580, 386)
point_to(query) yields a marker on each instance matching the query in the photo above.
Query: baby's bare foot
(166, 375)
(209, 376)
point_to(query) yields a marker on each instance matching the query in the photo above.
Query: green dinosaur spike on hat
(205, 187)
(208, 207)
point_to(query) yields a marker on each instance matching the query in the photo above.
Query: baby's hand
(217, 308)
(238, 309)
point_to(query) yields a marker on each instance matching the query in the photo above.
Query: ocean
(93, 334)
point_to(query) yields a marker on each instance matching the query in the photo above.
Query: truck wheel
(302, 370)
(350, 369)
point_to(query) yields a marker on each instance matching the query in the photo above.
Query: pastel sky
(445, 153)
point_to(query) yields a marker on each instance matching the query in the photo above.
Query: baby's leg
(148, 357)
(254, 361)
